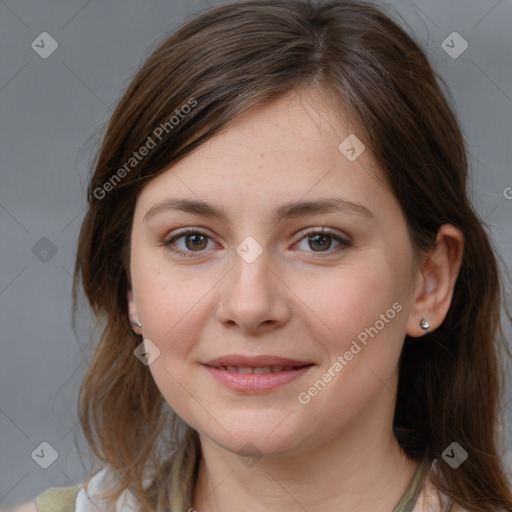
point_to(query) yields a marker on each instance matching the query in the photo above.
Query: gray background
(52, 111)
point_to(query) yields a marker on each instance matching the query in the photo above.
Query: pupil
(195, 241)
(316, 237)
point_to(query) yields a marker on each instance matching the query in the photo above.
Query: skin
(338, 451)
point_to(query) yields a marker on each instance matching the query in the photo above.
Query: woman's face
(260, 279)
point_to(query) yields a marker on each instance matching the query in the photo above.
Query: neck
(361, 469)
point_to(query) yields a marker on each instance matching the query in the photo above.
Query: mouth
(263, 361)
(259, 370)
(255, 374)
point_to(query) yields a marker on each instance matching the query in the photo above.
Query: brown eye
(321, 241)
(196, 241)
(192, 241)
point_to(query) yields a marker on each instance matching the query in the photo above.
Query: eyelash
(344, 244)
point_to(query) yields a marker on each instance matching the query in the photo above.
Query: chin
(254, 441)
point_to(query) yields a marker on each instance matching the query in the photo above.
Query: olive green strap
(408, 500)
(57, 499)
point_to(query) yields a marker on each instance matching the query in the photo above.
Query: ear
(132, 313)
(436, 281)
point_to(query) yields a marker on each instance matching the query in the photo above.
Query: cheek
(364, 313)
(172, 311)
(347, 302)
(174, 303)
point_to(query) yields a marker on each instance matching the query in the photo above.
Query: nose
(254, 297)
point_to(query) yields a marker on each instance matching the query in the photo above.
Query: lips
(246, 362)
(256, 374)
(257, 369)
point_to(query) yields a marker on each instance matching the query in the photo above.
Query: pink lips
(236, 371)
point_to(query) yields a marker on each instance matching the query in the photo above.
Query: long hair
(216, 67)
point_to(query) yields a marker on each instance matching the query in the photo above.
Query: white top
(90, 502)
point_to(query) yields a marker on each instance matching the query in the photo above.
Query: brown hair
(224, 63)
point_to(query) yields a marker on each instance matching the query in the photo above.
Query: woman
(300, 306)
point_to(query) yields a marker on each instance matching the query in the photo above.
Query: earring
(424, 324)
(137, 324)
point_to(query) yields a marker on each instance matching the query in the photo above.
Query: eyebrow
(286, 211)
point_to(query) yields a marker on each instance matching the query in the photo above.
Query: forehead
(298, 127)
(290, 148)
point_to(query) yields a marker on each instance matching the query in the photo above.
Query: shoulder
(83, 498)
(431, 499)
(55, 499)
(29, 506)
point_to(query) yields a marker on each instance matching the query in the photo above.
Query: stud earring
(424, 324)
(137, 324)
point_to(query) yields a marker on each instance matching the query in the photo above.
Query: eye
(320, 241)
(193, 241)
(196, 241)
